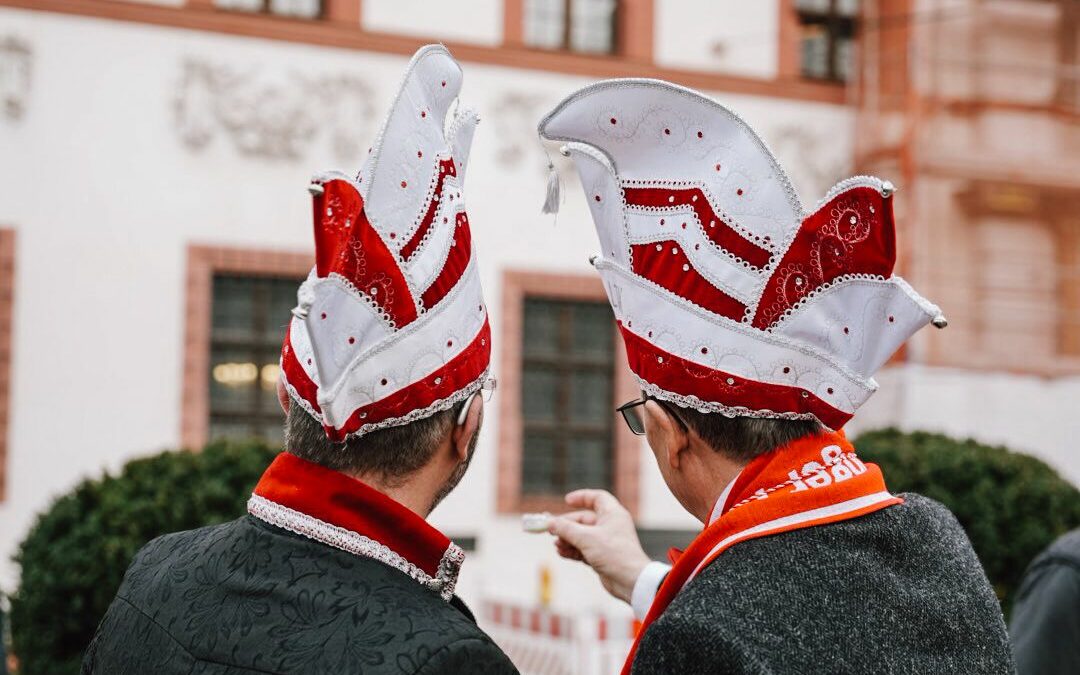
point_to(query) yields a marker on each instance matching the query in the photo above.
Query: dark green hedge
(74, 557)
(1011, 505)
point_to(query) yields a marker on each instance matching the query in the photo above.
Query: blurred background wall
(154, 157)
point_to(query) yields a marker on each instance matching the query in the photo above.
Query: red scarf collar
(342, 512)
(813, 481)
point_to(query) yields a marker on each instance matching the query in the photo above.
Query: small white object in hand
(535, 522)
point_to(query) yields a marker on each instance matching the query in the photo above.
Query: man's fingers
(581, 517)
(568, 551)
(600, 501)
(569, 531)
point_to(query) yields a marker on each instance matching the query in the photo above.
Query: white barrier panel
(540, 642)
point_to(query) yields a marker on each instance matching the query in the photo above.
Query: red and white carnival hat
(730, 297)
(391, 324)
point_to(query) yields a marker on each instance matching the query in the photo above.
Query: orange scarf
(813, 481)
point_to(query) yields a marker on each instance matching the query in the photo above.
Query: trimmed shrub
(1011, 505)
(75, 555)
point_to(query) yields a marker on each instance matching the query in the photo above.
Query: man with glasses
(754, 329)
(384, 377)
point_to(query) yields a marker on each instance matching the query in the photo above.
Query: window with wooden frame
(238, 309)
(827, 38)
(587, 26)
(567, 378)
(299, 9)
(249, 316)
(563, 373)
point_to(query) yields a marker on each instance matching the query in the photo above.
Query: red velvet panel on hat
(445, 167)
(456, 262)
(853, 233)
(347, 244)
(680, 376)
(462, 370)
(719, 231)
(662, 263)
(295, 374)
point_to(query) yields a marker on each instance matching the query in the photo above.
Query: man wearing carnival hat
(754, 329)
(335, 569)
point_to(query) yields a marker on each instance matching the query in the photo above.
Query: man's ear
(282, 395)
(672, 435)
(462, 434)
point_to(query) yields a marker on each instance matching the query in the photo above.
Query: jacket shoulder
(691, 642)
(776, 600)
(477, 655)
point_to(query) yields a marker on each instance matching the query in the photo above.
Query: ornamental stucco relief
(812, 165)
(16, 66)
(272, 115)
(515, 117)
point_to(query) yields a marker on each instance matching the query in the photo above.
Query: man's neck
(722, 474)
(415, 492)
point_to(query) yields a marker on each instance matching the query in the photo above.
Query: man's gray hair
(743, 438)
(391, 454)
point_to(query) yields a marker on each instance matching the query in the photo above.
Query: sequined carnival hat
(391, 325)
(730, 296)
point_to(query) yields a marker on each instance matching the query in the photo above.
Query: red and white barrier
(542, 642)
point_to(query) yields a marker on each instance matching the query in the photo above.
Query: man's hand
(602, 535)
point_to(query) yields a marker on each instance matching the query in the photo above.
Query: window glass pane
(848, 8)
(268, 378)
(220, 429)
(233, 308)
(545, 23)
(282, 301)
(538, 465)
(542, 328)
(539, 394)
(307, 9)
(816, 6)
(234, 377)
(592, 26)
(591, 398)
(242, 5)
(589, 463)
(593, 331)
(815, 52)
(843, 64)
(274, 433)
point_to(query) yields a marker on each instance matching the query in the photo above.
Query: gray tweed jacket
(896, 591)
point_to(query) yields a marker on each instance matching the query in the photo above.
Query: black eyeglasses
(631, 413)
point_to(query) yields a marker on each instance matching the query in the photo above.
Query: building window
(586, 26)
(562, 374)
(827, 29)
(237, 311)
(566, 391)
(249, 317)
(301, 9)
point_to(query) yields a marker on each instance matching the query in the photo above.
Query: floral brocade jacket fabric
(248, 597)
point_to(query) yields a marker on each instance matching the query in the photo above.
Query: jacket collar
(340, 511)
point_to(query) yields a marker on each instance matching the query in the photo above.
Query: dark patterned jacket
(896, 591)
(251, 597)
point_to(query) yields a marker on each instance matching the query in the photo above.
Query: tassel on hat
(553, 196)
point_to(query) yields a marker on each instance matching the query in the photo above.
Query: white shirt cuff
(648, 582)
